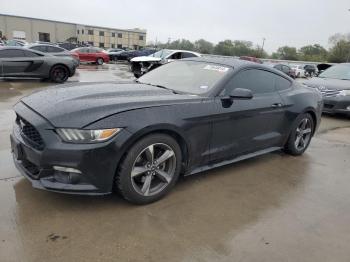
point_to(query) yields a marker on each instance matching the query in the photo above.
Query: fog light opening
(66, 169)
(348, 108)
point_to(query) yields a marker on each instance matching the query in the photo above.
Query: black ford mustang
(182, 118)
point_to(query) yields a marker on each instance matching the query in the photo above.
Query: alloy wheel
(303, 134)
(153, 169)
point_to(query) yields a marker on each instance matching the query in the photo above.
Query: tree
(182, 44)
(203, 46)
(340, 52)
(224, 48)
(313, 53)
(286, 53)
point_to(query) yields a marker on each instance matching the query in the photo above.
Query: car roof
(22, 48)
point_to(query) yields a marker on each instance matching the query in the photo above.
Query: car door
(83, 54)
(247, 125)
(14, 62)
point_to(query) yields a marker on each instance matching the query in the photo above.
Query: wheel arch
(167, 129)
(314, 117)
(60, 64)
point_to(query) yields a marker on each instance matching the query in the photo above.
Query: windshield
(162, 53)
(337, 72)
(186, 76)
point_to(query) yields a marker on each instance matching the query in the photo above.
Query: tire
(99, 61)
(299, 138)
(135, 171)
(59, 74)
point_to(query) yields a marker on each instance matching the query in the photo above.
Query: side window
(281, 83)
(258, 81)
(30, 54)
(11, 53)
(285, 69)
(176, 55)
(83, 50)
(39, 48)
(187, 55)
(54, 49)
(278, 67)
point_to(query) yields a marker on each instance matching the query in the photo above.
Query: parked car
(285, 69)
(16, 42)
(251, 59)
(310, 70)
(334, 84)
(299, 70)
(22, 62)
(184, 117)
(92, 55)
(128, 55)
(143, 64)
(54, 50)
(113, 52)
(2, 43)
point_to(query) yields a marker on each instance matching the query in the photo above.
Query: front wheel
(59, 74)
(99, 61)
(301, 135)
(150, 169)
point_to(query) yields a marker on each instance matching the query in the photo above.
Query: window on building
(44, 37)
(78, 31)
(141, 37)
(102, 33)
(90, 32)
(113, 34)
(102, 45)
(82, 31)
(112, 45)
(120, 35)
(120, 46)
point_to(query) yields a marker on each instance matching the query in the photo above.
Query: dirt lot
(270, 208)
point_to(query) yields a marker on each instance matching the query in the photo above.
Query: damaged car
(143, 64)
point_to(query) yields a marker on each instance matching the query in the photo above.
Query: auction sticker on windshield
(221, 69)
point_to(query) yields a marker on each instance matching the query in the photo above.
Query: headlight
(345, 93)
(86, 136)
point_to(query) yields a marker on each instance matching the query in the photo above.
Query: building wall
(17, 27)
(110, 38)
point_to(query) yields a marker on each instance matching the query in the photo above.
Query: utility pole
(262, 47)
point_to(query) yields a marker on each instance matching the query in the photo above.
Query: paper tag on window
(220, 69)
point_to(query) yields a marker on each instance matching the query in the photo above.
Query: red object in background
(90, 54)
(251, 59)
(75, 55)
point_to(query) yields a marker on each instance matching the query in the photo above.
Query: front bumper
(96, 163)
(337, 105)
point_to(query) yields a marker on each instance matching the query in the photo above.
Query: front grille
(29, 132)
(329, 92)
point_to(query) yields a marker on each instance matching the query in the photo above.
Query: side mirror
(241, 93)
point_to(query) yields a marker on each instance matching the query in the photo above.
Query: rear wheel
(301, 135)
(99, 61)
(150, 169)
(59, 74)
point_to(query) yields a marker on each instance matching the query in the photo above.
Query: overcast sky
(281, 22)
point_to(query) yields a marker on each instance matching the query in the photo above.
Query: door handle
(276, 105)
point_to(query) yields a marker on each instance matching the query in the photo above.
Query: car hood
(146, 59)
(79, 105)
(329, 83)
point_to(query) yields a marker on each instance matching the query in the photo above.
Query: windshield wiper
(160, 86)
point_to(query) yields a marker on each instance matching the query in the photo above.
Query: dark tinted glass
(281, 83)
(258, 81)
(9, 53)
(30, 54)
(187, 55)
(54, 49)
(285, 69)
(39, 48)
